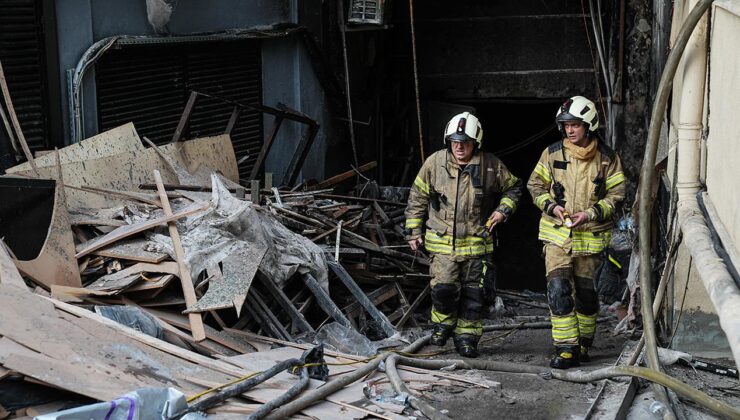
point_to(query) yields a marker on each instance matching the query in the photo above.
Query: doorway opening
(517, 131)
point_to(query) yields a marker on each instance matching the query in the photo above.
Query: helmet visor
(567, 116)
(459, 137)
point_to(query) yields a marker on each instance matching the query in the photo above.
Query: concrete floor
(525, 396)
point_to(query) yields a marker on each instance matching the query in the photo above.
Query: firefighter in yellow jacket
(577, 184)
(458, 197)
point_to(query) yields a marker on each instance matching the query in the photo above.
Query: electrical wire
(525, 143)
(416, 80)
(593, 59)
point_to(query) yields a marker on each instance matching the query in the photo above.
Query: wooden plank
(81, 343)
(266, 318)
(336, 179)
(55, 263)
(181, 321)
(155, 283)
(297, 318)
(74, 294)
(126, 170)
(125, 195)
(196, 322)
(405, 304)
(229, 289)
(413, 307)
(8, 272)
(130, 230)
(132, 250)
(324, 300)
(362, 298)
(377, 296)
(84, 379)
(185, 117)
(16, 124)
(124, 278)
(121, 139)
(124, 332)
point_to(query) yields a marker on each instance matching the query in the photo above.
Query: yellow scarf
(581, 153)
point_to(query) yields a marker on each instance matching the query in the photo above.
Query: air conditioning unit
(366, 12)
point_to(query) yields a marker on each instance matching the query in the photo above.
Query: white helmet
(464, 127)
(580, 109)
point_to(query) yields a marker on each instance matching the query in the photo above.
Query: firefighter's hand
(558, 212)
(414, 244)
(579, 218)
(496, 218)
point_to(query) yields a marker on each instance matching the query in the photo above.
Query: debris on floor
(149, 281)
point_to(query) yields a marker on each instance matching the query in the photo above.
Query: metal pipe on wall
(647, 174)
(691, 110)
(717, 280)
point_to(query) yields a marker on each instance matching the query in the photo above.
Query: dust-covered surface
(529, 396)
(525, 396)
(723, 388)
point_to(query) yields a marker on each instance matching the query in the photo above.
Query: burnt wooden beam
(362, 298)
(299, 321)
(324, 300)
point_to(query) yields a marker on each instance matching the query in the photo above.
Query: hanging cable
(647, 173)
(343, 31)
(416, 81)
(593, 62)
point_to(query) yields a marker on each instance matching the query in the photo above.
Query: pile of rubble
(158, 269)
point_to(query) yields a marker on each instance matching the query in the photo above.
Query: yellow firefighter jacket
(594, 186)
(453, 203)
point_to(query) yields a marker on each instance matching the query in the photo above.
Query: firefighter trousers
(457, 292)
(574, 304)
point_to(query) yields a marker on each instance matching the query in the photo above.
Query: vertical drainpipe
(691, 111)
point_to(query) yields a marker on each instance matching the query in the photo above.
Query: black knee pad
(471, 303)
(445, 297)
(559, 297)
(587, 301)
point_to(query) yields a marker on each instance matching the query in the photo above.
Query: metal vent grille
(366, 12)
(22, 55)
(149, 85)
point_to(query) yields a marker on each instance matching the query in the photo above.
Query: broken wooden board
(132, 250)
(75, 294)
(154, 283)
(231, 287)
(8, 272)
(223, 338)
(90, 357)
(66, 311)
(118, 140)
(55, 264)
(125, 170)
(120, 280)
(188, 291)
(130, 230)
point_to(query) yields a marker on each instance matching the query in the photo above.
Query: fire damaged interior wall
(511, 62)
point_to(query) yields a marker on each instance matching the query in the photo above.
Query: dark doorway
(517, 131)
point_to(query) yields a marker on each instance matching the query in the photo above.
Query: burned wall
(632, 115)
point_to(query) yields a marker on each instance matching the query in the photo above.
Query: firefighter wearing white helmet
(457, 199)
(577, 183)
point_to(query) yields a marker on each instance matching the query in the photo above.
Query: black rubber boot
(583, 356)
(566, 357)
(467, 345)
(440, 335)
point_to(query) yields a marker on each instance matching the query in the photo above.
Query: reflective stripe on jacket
(452, 204)
(594, 186)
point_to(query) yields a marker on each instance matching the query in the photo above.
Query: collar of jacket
(452, 163)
